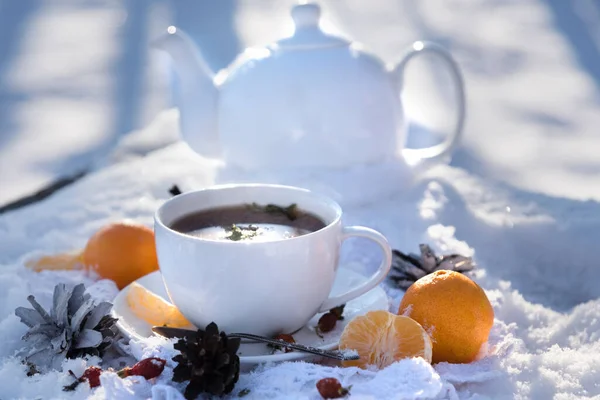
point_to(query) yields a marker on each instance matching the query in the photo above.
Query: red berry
(92, 375)
(338, 311)
(286, 338)
(331, 388)
(327, 322)
(148, 368)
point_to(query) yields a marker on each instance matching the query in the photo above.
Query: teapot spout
(197, 98)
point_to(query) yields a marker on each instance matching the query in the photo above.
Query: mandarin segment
(122, 252)
(154, 309)
(57, 262)
(381, 338)
(454, 310)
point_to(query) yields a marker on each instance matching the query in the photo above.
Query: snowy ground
(536, 352)
(515, 194)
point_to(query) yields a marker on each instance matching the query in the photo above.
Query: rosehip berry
(338, 311)
(327, 322)
(286, 338)
(92, 375)
(148, 368)
(331, 388)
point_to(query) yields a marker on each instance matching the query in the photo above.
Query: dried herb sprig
(291, 211)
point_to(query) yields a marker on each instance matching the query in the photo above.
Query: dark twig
(43, 193)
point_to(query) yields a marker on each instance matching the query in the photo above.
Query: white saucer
(254, 353)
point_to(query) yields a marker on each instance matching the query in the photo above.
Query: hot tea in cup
(251, 222)
(255, 258)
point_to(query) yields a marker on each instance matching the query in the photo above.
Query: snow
(540, 347)
(73, 85)
(520, 194)
(349, 353)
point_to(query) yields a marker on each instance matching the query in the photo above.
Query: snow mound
(544, 342)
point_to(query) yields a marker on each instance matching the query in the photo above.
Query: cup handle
(375, 279)
(445, 148)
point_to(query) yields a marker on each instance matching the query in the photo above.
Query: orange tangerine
(454, 310)
(121, 251)
(381, 338)
(154, 309)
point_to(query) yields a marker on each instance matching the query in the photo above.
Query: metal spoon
(188, 333)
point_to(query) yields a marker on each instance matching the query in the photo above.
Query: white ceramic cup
(266, 287)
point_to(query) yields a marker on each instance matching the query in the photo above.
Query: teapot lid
(308, 34)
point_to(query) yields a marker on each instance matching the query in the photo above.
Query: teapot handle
(443, 149)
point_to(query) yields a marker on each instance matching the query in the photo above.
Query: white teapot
(309, 100)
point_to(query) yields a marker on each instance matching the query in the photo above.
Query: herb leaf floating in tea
(209, 361)
(291, 211)
(408, 268)
(237, 233)
(74, 327)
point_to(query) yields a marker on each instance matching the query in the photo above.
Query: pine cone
(406, 269)
(75, 326)
(209, 362)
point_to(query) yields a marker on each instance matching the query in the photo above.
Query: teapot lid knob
(306, 15)
(308, 34)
